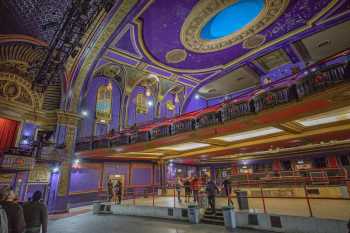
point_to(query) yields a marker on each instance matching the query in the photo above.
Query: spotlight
(197, 97)
(84, 113)
(55, 169)
(76, 161)
(150, 103)
(25, 142)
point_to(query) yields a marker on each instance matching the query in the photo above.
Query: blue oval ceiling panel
(232, 19)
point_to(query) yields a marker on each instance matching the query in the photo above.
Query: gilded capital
(68, 118)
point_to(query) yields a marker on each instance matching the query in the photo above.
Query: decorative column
(162, 169)
(67, 124)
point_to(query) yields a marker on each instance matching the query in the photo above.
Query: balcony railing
(24, 158)
(314, 79)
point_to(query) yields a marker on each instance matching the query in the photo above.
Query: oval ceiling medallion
(216, 25)
(254, 41)
(232, 18)
(176, 56)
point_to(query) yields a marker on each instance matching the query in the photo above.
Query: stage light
(84, 113)
(102, 121)
(77, 161)
(55, 169)
(150, 103)
(25, 142)
(197, 97)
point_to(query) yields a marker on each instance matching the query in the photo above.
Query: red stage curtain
(8, 133)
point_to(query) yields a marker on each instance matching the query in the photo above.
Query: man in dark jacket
(35, 214)
(13, 210)
(228, 188)
(212, 189)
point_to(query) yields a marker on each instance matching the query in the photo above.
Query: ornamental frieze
(205, 10)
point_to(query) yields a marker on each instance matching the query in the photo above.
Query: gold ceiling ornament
(205, 10)
(176, 56)
(254, 41)
(15, 89)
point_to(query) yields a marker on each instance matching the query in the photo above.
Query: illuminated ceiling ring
(205, 10)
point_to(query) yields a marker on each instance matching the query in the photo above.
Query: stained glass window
(104, 103)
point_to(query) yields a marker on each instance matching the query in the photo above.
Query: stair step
(213, 217)
(213, 221)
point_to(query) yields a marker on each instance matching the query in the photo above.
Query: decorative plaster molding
(176, 56)
(107, 31)
(205, 10)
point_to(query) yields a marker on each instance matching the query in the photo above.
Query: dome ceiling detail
(214, 25)
(167, 25)
(232, 19)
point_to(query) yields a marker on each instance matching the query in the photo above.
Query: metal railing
(322, 201)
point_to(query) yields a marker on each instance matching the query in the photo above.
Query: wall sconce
(110, 86)
(176, 100)
(148, 92)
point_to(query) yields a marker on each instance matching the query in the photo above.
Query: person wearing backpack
(14, 212)
(35, 214)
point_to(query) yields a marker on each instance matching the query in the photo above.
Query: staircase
(214, 219)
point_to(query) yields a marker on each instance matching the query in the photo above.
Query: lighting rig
(66, 41)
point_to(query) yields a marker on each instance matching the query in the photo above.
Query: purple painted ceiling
(162, 22)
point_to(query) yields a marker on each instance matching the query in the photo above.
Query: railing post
(174, 197)
(153, 196)
(263, 199)
(133, 201)
(308, 201)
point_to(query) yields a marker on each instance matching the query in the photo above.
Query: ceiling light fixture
(249, 134)
(185, 146)
(326, 118)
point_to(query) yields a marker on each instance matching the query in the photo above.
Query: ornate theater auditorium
(254, 91)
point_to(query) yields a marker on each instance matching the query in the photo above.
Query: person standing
(109, 190)
(228, 190)
(187, 186)
(35, 214)
(212, 189)
(118, 192)
(195, 189)
(14, 211)
(178, 186)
